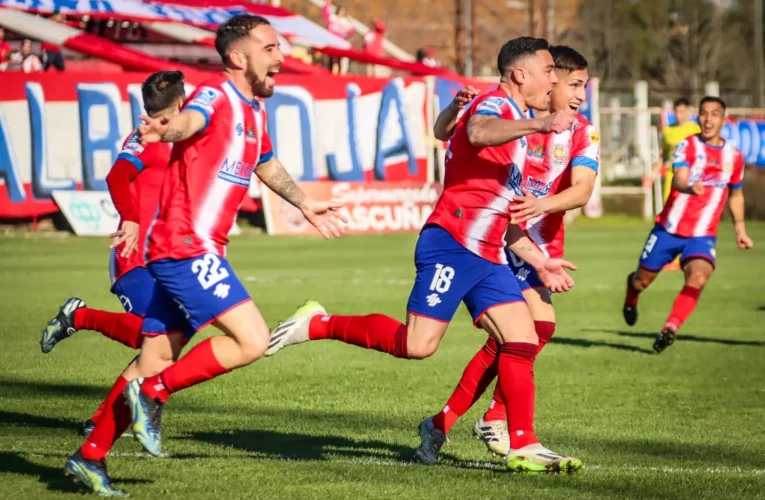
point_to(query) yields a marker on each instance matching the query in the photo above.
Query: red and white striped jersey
(480, 182)
(718, 168)
(209, 173)
(135, 181)
(549, 161)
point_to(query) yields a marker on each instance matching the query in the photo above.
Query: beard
(259, 87)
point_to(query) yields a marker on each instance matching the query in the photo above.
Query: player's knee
(253, 349)
(697, 279)
(421, 348)
(641, 281)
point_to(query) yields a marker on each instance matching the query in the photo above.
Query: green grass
(326, 420)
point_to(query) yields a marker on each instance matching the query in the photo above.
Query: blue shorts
(448, 273)
(526, 275)
(135, 290)
(191, 294)
(662, 247)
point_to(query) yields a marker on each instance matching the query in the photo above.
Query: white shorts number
(442, 280)
(208, 270)
(649, 245)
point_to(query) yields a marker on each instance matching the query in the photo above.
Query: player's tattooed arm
(275, 176)
(552, 272)
(178, 128)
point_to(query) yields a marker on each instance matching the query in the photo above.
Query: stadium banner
(63, 131)
(371, 207)
(747, 134)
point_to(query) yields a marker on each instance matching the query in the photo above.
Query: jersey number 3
(208, 270)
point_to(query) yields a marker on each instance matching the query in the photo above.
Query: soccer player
(671, 137)
(134, 183)
(559, 175)
(460, 252)
(707, 169)
(220, 140)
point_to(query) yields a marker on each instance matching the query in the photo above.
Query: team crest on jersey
(560, 153)
(250, 135)
(515, 180)
(237, 172)
(594, 137)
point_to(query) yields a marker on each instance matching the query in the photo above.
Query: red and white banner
(62, 131)
(371, 207)
(203, 13)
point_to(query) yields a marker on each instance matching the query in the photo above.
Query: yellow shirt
(673, 135)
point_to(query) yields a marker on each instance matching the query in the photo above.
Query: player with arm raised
(559, 175)
(134, 183)
(460, 255)
(707, 169)
(220, 140)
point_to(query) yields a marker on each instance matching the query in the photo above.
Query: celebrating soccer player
(707, 170)
(221, 140)
(460, 254)
(134, 183)
(559, 175)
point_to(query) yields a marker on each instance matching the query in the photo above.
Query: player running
(134, 183)
(706, 169)
(221, 140)
(460, 253)
(559, 175)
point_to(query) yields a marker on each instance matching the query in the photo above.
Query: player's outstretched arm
(323, 215)
(487, 130)
(178, 128)
(577, 195)
(736, 205)
(446, 122)
(680, 182)
(552, 272)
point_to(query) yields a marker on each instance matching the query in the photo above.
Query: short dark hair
(517, 48)
(161, 90)
(681, 101)
(567, 59)
(234, 29)
(712, 98)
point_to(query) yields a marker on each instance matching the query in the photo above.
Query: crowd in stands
(26, 59)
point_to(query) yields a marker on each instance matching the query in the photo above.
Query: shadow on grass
(681, 337)
(8, 418)
(52, 477)
(292, 446)
(597, 343)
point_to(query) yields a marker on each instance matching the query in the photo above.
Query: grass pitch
(325, 420)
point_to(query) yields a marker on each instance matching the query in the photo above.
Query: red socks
(111, 423)
(631, 298)
(684, 305)
(475, 379)
(516, 383)
(197, 366)
(114, 393)
(497, 411)
(375, 331)
(125, 328)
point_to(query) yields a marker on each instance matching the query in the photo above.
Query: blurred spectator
(52, 53)
(26, 60)
(338, 23)
(425, 56)
(373, 45)
(5, 51)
